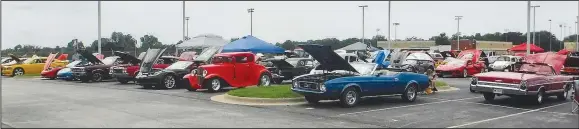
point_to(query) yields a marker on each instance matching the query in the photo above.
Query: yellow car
(32, 65)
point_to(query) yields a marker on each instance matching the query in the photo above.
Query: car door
(384, 84)
(242, 70)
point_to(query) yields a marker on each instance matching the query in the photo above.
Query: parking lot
(30, 102)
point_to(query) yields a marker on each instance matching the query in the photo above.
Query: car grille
(77, 70)
(307, 85)
(498, 84)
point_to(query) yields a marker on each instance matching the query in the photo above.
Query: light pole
(562, 37)
(457, 18)
(187, 24)
(577, 35)
(389, 20)
(506, 35)
(250, 11)
(183, 25)
(99, 27)
(534, 23)
(395, 30)
(363, 7)
(377, 33)
(528, 26)
(551, 35)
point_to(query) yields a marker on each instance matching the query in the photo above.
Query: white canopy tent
(203, 40)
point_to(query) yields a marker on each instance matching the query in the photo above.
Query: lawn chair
(575, 97)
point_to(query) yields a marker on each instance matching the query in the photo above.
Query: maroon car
(535, 80)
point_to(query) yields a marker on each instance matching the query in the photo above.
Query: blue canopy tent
(252, 44)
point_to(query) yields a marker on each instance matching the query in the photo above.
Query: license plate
(498, 91)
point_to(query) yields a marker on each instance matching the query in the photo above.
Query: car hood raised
(14, 58)
(127, 57)
(90, 57)
(505, 77)
(149, 59)
(327, 58)
(280, 63)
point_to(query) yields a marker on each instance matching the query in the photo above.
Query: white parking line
(560, 113)
(496, 118)
(404, 106)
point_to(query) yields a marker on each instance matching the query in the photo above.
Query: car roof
(233, 53)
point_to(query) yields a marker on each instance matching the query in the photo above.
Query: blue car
(335, 78)
(65, 73)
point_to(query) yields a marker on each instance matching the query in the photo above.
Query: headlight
(204, 73)
(194, 72)
(8, 68)
(474, 81)
(523, 85)
(295, 84)
(322, 87)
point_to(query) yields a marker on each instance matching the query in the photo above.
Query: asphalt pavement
(53, 103)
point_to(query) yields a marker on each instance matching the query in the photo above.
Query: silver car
(504, 63)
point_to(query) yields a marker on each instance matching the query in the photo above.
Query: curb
(449, 89)
(225, 98)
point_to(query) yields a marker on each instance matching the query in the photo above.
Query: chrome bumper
(505, 90)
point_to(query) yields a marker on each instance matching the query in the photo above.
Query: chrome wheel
(215, 84)
(540, 97)
(97, 77)
(351, 97)
(18, 72)
(506, 70)
(265, 81)
(169, 82)
(411, 93)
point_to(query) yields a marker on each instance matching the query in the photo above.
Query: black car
(417, 62)
(172, 76)
(96, 70)
(287, 69)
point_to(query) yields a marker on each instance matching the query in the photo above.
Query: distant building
(488, 46)
(571, 46)
(407, 45)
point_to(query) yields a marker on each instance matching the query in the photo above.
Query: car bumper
(65, 76)
(122, 76)
(505, 90)
(48, 74)
(193, 81)
(6, 72)
(147, 80)
(318, 94)
(451, 73)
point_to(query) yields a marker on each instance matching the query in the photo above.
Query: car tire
(471, 91)
(123, 81)
(214, 85)
(565, 94)
(350, 97)
(97, 77)
(264, 80)
(410, 93)
(507, 69)
(169, 82)
(489, 96)
(18, 72)
(540, 97)
(312, 99)
(464, 73)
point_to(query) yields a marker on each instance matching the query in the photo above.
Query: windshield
(293, 62)
(180, 65)
(207, 54)
(503, 58)
(467, 56)
(364, 69)
(536, 69)
(72, 64)
(109, 60)
(29, 61)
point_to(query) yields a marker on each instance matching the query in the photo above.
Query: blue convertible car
(335, 78)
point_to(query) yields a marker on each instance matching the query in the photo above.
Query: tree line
(119, 41)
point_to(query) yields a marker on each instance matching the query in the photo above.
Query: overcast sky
(51, 23)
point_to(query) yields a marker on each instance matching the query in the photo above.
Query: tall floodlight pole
(577, 35)
(534, 23)
(389, 20)
(183, 25)
(562, 36)
(457, 18)
(363, 9)
(550, 44)
(99, 27)
(395, 30)
(506, 35)
(528, 27)
(187, 24)
(250, 11)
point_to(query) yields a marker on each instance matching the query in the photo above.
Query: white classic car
(504, 63)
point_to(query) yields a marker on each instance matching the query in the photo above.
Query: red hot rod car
(536, 80)
(468, 63)
(234, 69)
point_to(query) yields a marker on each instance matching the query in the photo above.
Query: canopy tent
(358, 46)
(523, 47)
(203, 40)
(252, 44)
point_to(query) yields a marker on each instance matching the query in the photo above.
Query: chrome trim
(498, 83)
(499, 87)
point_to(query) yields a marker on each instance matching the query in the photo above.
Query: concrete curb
(225, 98)
(449, 89)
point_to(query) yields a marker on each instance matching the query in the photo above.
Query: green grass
(273, 91)
(441, 85)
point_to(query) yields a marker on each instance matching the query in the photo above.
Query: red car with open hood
(468, 63)
(537, 77)
(233, 69)
(50, 72)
